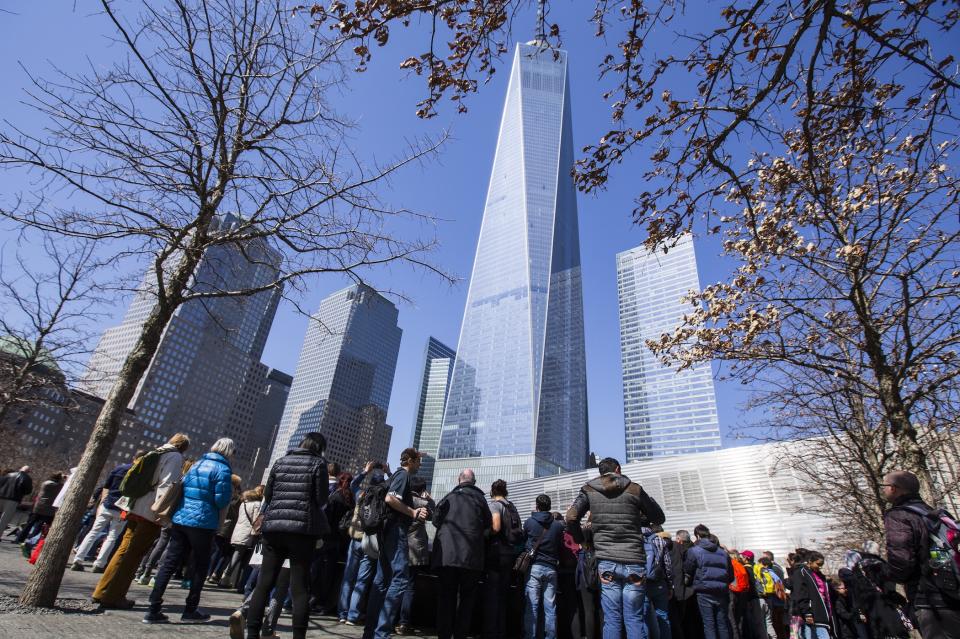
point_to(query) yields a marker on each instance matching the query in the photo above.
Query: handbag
(525, 559)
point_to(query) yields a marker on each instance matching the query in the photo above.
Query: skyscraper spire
(540, 37)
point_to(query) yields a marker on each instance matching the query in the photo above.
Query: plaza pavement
(126, 624)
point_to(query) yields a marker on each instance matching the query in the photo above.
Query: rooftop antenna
(541, 36)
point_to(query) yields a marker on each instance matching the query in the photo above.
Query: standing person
(619, 508)
(754, 620)
(418, 544)
(107, 518)
(43, 508)
(710, 571)
(244, 538)
(811, 599)
(506, 541)
(159, 478)
(393, 563)
(360, 569)
(685, 622)
(544, 538)
(14, 486)
(876, 596)
(776, 604)
(462, 520)
(207, 489)
(326, 564)
(740, 588)
(917, 559)
(293, 522)
(222, 550)
(588, 587)
(845, 611)
(659, 583)
(770, 588)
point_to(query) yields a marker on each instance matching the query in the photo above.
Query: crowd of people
(315, 539)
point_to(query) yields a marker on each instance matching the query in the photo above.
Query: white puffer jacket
(248, 513)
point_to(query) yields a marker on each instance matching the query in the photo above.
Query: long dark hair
(343, 487)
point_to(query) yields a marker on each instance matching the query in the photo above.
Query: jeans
(393, 570)
(458, 593)
(713, 611)
(278, 547)
(406, 604)
(106, 520)
(542, 580)
(656, 610)
(622, 595)
(184, 541)
(356, 580)
(818, 632)
(33, 526)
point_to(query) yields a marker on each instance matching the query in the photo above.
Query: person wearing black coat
(293, 521)
(811, 600)
(845, 612)
(877, 598)
(907, 525)
(685, 622)
(14, 486)
(463, 522)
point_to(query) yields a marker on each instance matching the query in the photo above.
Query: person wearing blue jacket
(207, 489)
(707, 567)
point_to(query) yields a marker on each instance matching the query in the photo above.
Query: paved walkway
(126, 624)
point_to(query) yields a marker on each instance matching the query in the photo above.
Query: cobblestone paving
(126, 624)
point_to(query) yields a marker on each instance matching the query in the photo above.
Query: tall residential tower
(665, 412)
(517, 405)
(344, 378)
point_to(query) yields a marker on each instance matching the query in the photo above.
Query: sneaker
(185, 584)
(341, 620)
(268, 633)
(77, 567)
(152, 582)
(155, 618)
(98, 570)
(143, 579)
(236, 625)
(350, 623)
(194, 616)
(403, 630)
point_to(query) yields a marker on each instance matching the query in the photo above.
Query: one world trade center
(517, 403)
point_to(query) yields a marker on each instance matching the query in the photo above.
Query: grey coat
(418, 544)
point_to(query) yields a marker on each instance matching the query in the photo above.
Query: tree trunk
(43, 584)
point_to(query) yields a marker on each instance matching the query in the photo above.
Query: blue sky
(453, 188)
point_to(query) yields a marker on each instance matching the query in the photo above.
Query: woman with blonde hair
(207, 489)
(244, 538)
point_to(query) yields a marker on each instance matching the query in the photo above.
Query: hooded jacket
(165, 478)
(295, 495)
(619, 509)
(709, 568)
(15, 486)
(206, 491)
(907, 548)
(548, 552)
(463, 522)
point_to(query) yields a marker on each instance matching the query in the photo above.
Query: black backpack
(374, 509)
(588, 565)
(512, 527)
(942, 564)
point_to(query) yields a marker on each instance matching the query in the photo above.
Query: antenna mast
(541, 35)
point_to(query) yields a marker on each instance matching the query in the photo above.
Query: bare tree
(50, 310)
(217, 107)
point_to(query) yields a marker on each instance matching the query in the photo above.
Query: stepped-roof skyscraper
(437, 367)
(344, 378)
(517, 405)
(666, 412)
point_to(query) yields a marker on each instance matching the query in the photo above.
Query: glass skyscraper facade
(517, 405)
(437, 367)
(666, 412)
(206, 373)
(344, 378)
